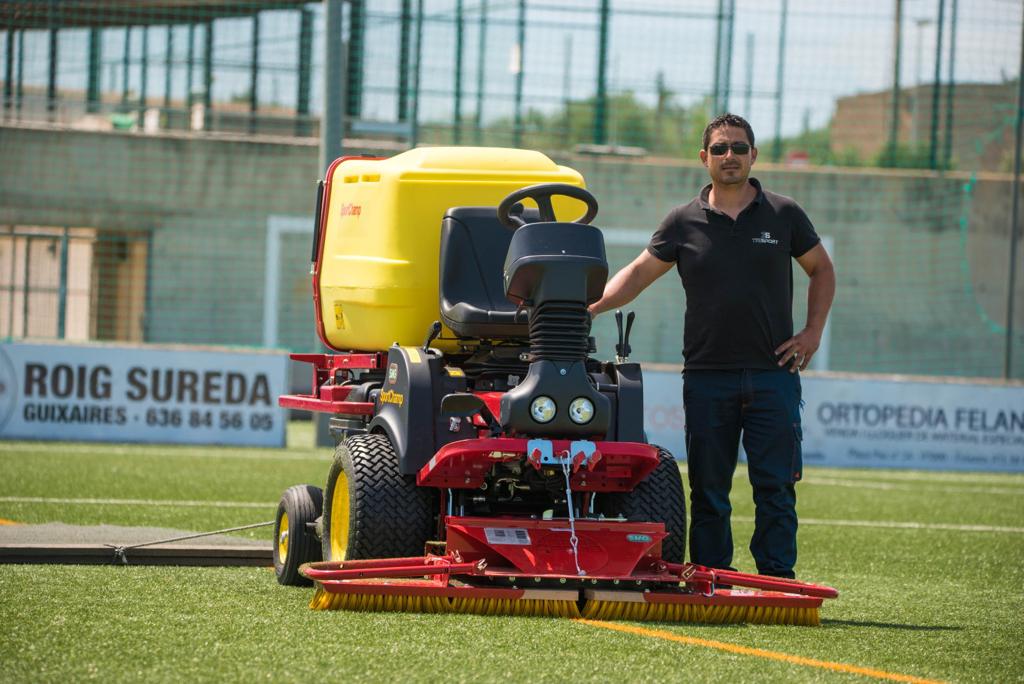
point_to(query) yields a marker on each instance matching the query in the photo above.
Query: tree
(666, 128)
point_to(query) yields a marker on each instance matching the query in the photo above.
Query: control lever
(622, 349)
(435, 330)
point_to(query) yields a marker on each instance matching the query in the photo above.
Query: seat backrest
(472, 292)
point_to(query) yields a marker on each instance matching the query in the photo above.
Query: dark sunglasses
(718, 149)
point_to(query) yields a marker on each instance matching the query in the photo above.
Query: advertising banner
(141, 394)
(879, 421)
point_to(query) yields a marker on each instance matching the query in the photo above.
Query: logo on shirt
(765, 239)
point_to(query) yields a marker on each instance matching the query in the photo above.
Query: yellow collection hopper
(376, 271)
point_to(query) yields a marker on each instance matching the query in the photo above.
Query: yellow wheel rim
(340, 513)
(282, 538)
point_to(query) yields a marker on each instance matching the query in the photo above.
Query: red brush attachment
(704, 580)
(440, 567)
(518, 548)
(543, 548)
(621, 561)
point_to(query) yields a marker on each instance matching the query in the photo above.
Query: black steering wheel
(542, 194)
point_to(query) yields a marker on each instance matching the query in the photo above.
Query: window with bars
(72, 283)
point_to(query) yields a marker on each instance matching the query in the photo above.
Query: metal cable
(120, 552)
(574, 541)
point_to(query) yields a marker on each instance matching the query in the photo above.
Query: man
(732, 247)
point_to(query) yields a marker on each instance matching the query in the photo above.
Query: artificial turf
(937, 603)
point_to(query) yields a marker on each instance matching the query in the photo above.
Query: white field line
(168, 503)
(953, 479)
(969, 486)
(892, 524)
(747, 519)
(257, 454)
(891, 486)
(943, 477)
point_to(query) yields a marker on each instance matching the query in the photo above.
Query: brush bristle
(681, 612)
(638, 611)
(383, 603)
(378, 603)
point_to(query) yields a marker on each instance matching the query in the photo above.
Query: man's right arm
(630, 282)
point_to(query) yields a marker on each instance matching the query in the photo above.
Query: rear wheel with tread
(294, 542)
(659, 498)
(371, 510)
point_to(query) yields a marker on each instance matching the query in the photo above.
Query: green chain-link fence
(158, 160)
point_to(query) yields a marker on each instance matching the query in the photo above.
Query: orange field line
(759, 652)
(5, 521)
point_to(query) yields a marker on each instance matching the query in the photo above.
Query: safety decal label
(512, 536)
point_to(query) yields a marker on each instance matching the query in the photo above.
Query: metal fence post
(933, 149)
(481, 70)
(51, 81)
(715, 92)
(9, 71)
(254, 73)
(305, 72)
(517, 125)
(894, 109)
(404, 37)
(208, 77)
(457, 114)
(92, 89)
(168, 65)
(19, 88)
(415, 134)
(780, 71)
(947, 152)
(62, 287)
(1015, 213)
(726, 74)
(332, 123)
(190, 57)
(601, 97)
(143, 72)
(126, 65)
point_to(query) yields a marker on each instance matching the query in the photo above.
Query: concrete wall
(922, 259)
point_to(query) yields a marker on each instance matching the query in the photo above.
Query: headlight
(581, 410)
(543, 409)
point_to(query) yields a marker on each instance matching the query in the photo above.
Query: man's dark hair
(723, 120)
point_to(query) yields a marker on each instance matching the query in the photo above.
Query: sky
(833, 48)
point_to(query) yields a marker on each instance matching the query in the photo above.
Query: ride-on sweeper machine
(486, 462)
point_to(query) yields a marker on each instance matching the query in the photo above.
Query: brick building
(983, 123)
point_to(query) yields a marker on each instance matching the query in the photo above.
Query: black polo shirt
(738, 277)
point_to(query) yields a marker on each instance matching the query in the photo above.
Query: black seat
(473, 301)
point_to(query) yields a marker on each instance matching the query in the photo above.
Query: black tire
(388, 516)
(659, 498)
(294, 542)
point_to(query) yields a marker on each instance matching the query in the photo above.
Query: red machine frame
(609, 559)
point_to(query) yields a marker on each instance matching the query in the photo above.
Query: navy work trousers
(762, 406)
